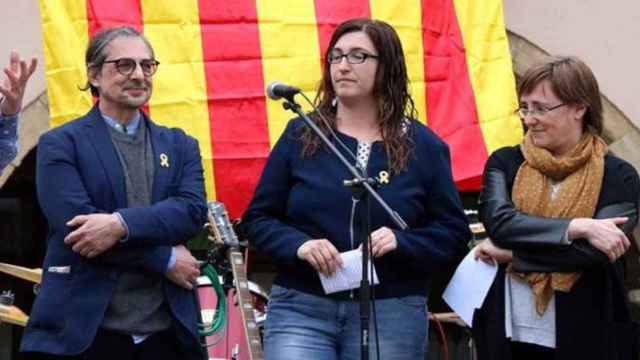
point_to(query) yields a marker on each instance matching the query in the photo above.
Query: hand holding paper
(349, 275)
(469, 286)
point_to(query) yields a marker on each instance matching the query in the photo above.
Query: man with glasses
(11, 93)
(121, 195)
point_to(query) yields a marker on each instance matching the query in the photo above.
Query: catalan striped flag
(217, 57)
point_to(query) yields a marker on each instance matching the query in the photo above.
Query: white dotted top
(364, 150)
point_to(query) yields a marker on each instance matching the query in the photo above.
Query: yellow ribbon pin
(383, 177)
(164, 160)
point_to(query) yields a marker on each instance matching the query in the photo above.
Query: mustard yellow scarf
(580, 176)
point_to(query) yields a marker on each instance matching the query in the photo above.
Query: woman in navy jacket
(303, 217)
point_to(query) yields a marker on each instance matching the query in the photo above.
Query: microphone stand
(362, 188)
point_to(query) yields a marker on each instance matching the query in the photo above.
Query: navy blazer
(78, 172)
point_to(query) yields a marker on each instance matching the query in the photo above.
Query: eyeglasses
(126, 66)
(353, 57)
(539, 110)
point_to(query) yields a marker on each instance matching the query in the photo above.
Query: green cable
(220, 317)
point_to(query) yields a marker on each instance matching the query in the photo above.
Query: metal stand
(365, 290)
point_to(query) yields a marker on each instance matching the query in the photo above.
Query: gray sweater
(137, 305)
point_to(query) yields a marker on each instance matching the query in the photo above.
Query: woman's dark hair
(96, 53)
(572, 82)
(390, 90)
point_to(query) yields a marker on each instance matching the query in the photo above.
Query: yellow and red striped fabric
(217, 57)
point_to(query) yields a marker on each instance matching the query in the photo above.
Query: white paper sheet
(469, 286)
(349, 276)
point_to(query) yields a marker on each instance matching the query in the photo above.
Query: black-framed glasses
(126, 66)
(539, 110)
(353, 57)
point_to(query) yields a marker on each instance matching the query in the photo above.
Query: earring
(334, 102)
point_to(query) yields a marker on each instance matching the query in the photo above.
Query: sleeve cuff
(125, 238)
(298, 254)
(172, 260)
(401, 252)
(3, 116)
(9, 121)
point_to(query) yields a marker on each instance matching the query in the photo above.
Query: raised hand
(12, 89)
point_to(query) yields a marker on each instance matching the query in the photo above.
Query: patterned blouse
(8, 139)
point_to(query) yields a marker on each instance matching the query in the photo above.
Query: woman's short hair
(96, 53)
(573, 82)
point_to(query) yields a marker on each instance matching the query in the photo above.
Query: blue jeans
(304, 326)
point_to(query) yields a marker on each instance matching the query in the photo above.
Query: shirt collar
(131, 127)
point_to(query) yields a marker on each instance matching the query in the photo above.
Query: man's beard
(135, 102)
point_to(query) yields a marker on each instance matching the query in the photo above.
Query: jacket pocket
(51, 304)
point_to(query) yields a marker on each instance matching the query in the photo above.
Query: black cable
(443, 338)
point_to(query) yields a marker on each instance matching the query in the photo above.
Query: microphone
(277, 90)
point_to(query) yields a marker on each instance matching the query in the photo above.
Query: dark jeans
(110, 345)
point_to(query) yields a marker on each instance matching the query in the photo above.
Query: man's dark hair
(96, 53)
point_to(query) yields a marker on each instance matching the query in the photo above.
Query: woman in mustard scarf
(556, 208)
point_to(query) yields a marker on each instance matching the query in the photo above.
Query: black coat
(593, 320)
